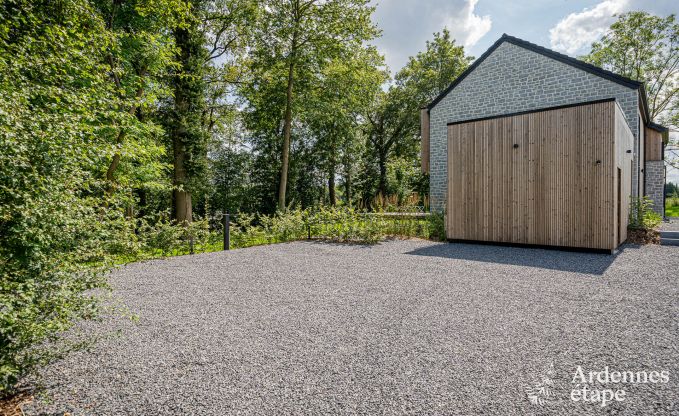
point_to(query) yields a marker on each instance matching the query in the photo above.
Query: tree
(188, 137)
(140, 54)
(432, 71)
(294, 40)
(214, 33)
(645, 48)
(394, 120)
(344, 92)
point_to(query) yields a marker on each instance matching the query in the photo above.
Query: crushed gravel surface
(403, 327)
(671, 224)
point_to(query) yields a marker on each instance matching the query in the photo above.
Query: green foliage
(308, 62)
(341, 224)
(138, 57)
(188, 135)
(393, 120)
(671, 190)
(78, 81)
(437, 226)
(432, 71)
(642, 215)
(644, 47)
(101, 100)
(159, 236)
(54, 113)
(347, 225)
(672, 206)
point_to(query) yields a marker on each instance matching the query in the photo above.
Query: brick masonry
(513, 79)
(655, 184)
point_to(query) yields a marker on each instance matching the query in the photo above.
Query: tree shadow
(595, 263)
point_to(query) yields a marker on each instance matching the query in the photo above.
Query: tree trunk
(182, 206)
(181, 197)
(382, 185)
(141, 194)
(347, 185)
(287, 127)
(185, 134)
(331, 186)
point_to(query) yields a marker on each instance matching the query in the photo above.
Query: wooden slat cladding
(424, 133)
(624, 141)
(653, 145)
(545, 178)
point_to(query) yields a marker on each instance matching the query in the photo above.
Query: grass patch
(672, 211)
(672, 207)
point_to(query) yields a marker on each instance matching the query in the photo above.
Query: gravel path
(671, 224)
(404, 327)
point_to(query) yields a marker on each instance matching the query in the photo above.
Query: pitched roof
(611, 76)
(657, 127)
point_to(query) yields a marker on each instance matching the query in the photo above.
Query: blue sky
(567, 26)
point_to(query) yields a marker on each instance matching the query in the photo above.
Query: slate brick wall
(655, 184)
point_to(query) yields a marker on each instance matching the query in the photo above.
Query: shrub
(346, 224)
(52, 150)
(642, 216)
(437, 226)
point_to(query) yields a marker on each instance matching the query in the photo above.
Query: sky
(567, 26)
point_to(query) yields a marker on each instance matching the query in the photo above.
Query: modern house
(530, 146)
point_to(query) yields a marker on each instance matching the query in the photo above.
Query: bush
(642, 216)
(437, 226)
(52, 150)
(329, 223)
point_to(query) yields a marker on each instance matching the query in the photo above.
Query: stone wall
(655, 184)
(513, 79)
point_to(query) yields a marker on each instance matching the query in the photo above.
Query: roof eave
(657, 127)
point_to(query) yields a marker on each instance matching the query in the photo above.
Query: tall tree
(207, 45)
(296, 39)
(644, 47)
(189, 138)
(431, 71)
(344, 92)
(139, 57)
(394, 120)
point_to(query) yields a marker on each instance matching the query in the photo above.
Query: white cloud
(576, 32)
(467, 27)
(408, 24)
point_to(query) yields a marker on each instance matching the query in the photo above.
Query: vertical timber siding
(545, 178)
(653, 145)
(424, 133)
(624, 141)
(509, 80)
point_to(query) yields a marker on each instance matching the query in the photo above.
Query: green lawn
(672, 211)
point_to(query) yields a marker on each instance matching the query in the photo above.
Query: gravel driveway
(403, 327)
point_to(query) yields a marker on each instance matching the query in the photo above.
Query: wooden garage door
(544, 178)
